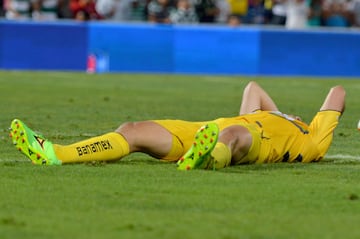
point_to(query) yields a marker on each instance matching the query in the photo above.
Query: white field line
(343, 157)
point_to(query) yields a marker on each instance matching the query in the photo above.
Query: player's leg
(147, 137)
(255, 98)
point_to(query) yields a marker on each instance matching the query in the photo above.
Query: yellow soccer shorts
(183, 133)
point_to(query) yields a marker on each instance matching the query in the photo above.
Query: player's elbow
(339, 91)
(251, 86)
(339, 94)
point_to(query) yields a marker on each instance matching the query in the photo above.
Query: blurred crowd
(288, 13)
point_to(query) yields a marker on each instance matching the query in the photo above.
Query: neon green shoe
(199, 155)
(38, 149)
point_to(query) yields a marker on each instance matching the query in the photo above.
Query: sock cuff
(119, 140)
(222, 155)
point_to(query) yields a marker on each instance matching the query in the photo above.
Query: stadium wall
(149, 48)
(43, 46)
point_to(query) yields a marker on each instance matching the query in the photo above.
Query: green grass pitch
(140, 197)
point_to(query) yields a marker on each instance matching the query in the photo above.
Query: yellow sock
(110, 146)
(222, 155)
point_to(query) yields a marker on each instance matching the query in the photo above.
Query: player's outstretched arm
(255, 98)
(335, 99)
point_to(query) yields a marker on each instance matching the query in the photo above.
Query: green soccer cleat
(38, 149)
(199, 155)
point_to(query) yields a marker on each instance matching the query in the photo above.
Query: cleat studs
(205, 136)
(213, 133)
(181, 159)
(22, 133)
(200, 153)
(20, 149)
(17, 126)
(10, 135)
(206, 147)
(15, 131)
(43, 162)
(38, 156)
(14, 143)
(194, 143)
(23, 140)
(188, 167)
(211, 140)
(201, 142)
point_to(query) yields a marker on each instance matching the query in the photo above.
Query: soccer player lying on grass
(260, 134)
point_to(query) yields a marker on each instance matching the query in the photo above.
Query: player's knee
(125, 127)
(129, 132)
(229, 135)
(338, 90)
(132, 131)
(226, 135)
(237, 137)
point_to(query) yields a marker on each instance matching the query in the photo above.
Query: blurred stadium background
(32, 40)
